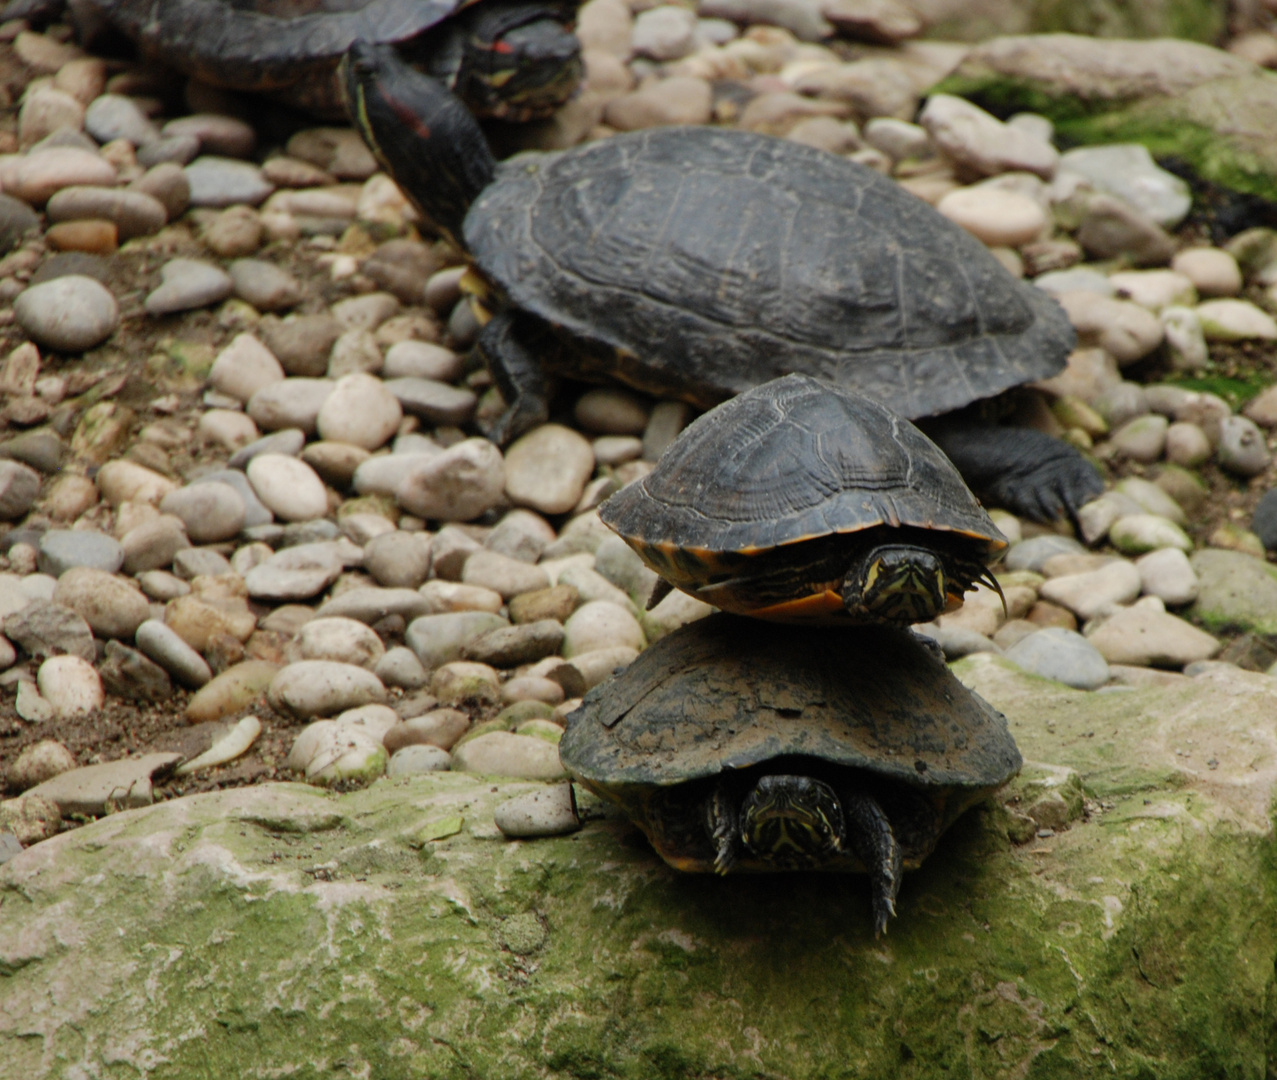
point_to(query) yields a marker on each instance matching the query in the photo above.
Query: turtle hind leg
(722, 822)
(510, 346)
(1027, 472)
(870, 837)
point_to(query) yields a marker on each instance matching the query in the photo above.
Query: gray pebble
(400, 667)
(289, 441)
(1063, 655)
(212, 511)
(370, 605)
(133, 212)
(162, 644)
(219, 182)
(509, 646)
(294, 403)
(114, 116)
(186, 284)
(435, 402)
(69, 314)
(41, 449)
(216, 133)
(1242, 448)
(301, 343)
(398, 559)
(193, 562)
(439, 639)
(264, 285)
(129, 674)
(19, 486)
(1033, 553)
(16, 220)
(254, 512)
(419, 758)
(62, 549)
(44, 628)
(169, 149)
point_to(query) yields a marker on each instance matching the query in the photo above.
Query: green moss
(1197, 20)
(1235, 391)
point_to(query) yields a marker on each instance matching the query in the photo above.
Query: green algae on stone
(281, 930)
(1237, 592)
(1180, 99)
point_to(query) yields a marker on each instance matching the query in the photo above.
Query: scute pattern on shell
(700, 262)
(790, 461)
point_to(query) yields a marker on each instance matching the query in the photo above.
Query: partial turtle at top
(508, 59)
(696, 262)
(798, 500)
(739, 746)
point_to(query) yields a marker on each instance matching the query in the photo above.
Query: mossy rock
(393, 932)
(1181, 99)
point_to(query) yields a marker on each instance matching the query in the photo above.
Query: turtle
(799, 500)
(508, 59)
(697, 262)
(741, 746)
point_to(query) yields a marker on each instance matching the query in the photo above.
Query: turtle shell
(727, 694)
(789, 462)
(270, 45)
(699, 262)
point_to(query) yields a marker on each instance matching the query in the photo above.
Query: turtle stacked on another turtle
(740, 745)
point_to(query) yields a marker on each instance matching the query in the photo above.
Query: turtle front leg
(508, 345)
(722, 821)
(1027, 472)
(870, 836)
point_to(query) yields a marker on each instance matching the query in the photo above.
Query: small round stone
(1142, 439)
(211, 512)
(160, 643)
(465, 681)
(399, 667)
(1187, 445)
(361, 410)
(40, 762)
(1063, 655)
(1242, 447)
(216, 132)
(342, 639)
(438, 727)
(1145, 636)
(114, 116)
(289, 488)
(111, 606)
(421, 758)
(996, 217)
(421, 360)
(1136, 534)
(324, 688)
(218, 181)
(461, 483)
(547, 468)
(61, 550)
(187, 284)
(36, 177)
(601, 625)
(503, 753)
(1213, 271)
(68, 314)
(548, 812)
(398, 559)
(133, 213)
(612, 411)
(71, 685)
(294, 402)
(502, 574)
(264, 285)
(1168, 575)
(1087, 594)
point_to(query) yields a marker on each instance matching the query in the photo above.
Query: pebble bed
(310, 531)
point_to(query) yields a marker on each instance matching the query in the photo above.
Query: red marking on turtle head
(409, 118)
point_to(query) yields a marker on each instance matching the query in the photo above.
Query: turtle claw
(660, 591)
(876, 846)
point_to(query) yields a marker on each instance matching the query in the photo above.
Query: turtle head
(897, 583)
(792, 821)
(420, 133)
(514, 61)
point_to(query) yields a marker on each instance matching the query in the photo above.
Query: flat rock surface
(221, 929)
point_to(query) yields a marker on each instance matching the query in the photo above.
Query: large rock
(262, 929)
(1178, 98)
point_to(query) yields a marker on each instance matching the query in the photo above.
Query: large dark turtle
(799, 500)
(696, 262)
(741, 746)
(513, 59)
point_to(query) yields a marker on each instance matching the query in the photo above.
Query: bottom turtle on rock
(739, 746)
